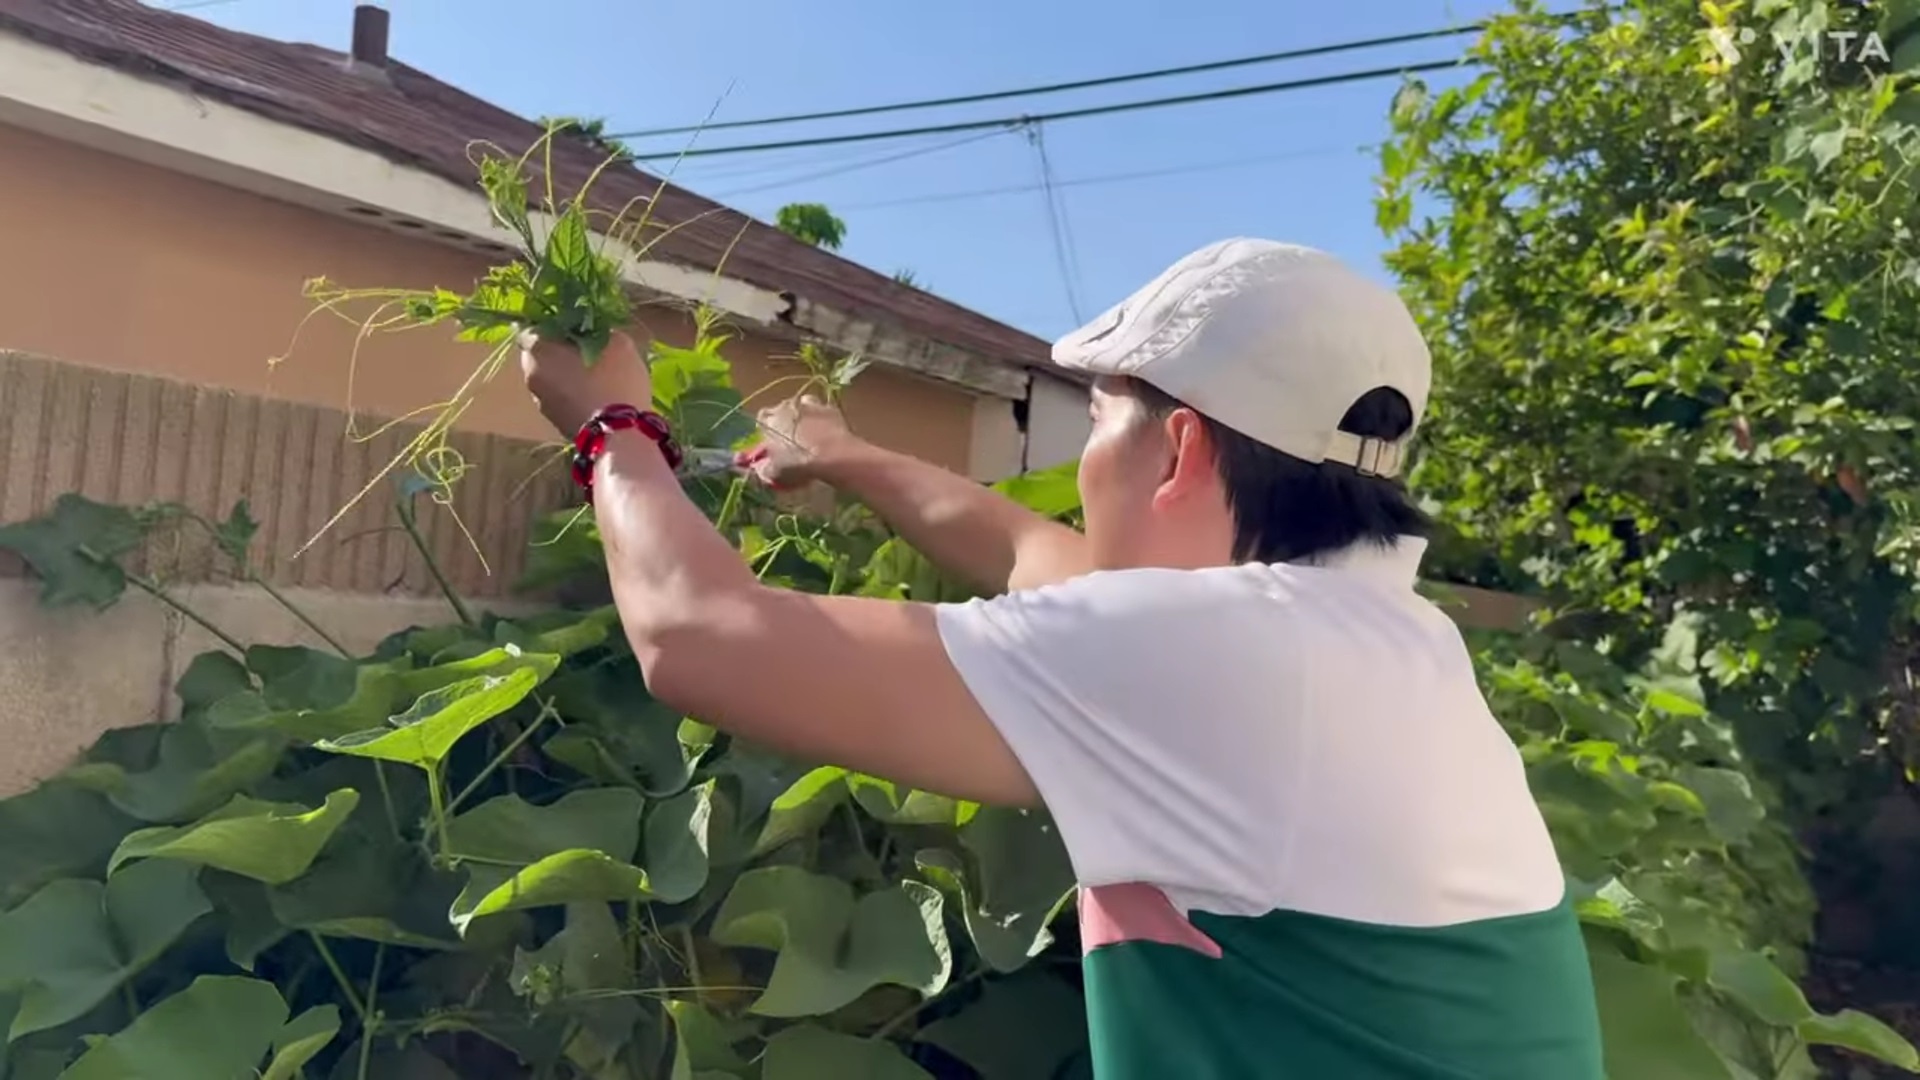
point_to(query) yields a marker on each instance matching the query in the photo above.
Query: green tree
(1673, 302)
(811, 223)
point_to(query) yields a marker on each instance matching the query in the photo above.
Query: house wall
(163, 297)
(120, 265)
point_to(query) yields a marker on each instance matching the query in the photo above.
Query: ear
(1190, 468)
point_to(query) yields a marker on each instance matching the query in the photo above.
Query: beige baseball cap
(1276, 341)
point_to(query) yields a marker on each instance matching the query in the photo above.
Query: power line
(868, 163)
(1072, 114)
(1082, 84)
(1108, 178)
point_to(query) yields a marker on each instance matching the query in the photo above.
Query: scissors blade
(705, 461)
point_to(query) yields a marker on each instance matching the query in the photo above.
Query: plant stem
(914, 1010)
(729, 505)
(437, 801)
(131, 999)
(507, 751)
(295, 611)
(386, 798)
(339, 976)
(371, 1024)
(153, 589)
(433, 565)
(693, 958)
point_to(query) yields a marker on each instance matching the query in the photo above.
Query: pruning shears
(702, 462)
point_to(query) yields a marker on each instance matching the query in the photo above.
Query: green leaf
(424, 734)
(1862, 1034)
(303, 1037)
(703, 1042)
(831, 947)
(296, 677)
(1759, 987)
(807, 1052)
(518, 855)
(1733, 810)
(1052, 491)
(209, 677)
(801, 809)
(617, 734)
(676, 844)
(885, 801)
(1024, 881)
(371, 887)
(198, 768)
(73, 943)
(270, 842)
(218, 1028)
(1645, 1031)
(1024, 1027)
(74, 549)
(582, 971)
(55, 830)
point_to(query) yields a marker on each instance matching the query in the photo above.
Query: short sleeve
(1150, 709)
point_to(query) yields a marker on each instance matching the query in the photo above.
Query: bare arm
(967, 529)
(855, 682)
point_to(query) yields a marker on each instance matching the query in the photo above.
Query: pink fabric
(1111, 914)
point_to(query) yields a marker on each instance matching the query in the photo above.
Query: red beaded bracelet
(592, 440)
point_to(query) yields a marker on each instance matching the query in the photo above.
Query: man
(1305, 848)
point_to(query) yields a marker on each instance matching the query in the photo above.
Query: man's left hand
(569, 392)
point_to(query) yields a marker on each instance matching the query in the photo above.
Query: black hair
(1285, 509)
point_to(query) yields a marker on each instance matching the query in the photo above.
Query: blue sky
(1288, 166)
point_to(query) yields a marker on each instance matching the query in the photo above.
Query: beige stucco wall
(1057, 422)
(121, 265)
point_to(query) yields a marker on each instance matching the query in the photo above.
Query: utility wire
(869, 163)
(1063, 247)
(1073, 114)
(1108, 178)
(1082, 84)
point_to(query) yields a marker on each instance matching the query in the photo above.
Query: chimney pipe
(370, 35)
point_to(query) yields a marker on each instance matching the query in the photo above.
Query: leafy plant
(1671, 301)
(811, 223)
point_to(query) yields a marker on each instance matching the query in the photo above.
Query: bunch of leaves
(1671, 301)
(482, 849)
(1687, 882)
(565, 284)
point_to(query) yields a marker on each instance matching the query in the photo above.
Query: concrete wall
(1057, 422)
(67, 675)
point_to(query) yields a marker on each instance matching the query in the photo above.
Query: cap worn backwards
(1276, 341)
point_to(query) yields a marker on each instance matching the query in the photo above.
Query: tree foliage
(811, 223)
(1672, 301)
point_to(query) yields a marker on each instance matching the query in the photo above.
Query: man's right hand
(800, 440)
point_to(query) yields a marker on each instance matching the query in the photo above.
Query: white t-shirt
(1308, 738)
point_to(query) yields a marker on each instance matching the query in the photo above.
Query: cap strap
(1368, 456)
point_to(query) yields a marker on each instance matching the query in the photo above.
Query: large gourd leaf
(198, 767)
(270, 842)
(303, 1037)
(807, 1052)
(74, 942)
(1024, 1027)
(1023, 881)
(519, 855)
(676, 844)
(1644, 1029)
(424, 734)
(218, 1028)
(833, 948)
(74, 548)
(56, 830)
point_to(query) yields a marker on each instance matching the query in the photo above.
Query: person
(1304, 846)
